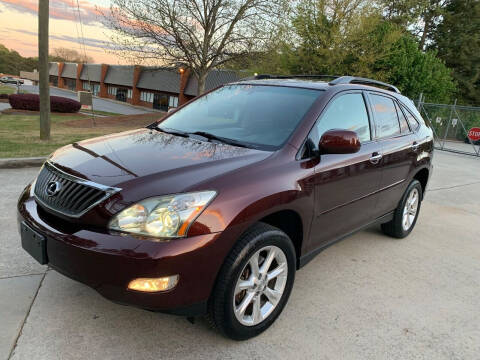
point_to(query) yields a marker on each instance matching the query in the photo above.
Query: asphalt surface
(367, 297)
(98, 103)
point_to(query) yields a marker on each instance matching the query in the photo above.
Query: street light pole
(44, 90)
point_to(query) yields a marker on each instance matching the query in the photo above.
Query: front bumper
(108, 262)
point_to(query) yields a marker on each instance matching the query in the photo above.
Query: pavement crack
(454, 186)
(16, 276)
(12, 351)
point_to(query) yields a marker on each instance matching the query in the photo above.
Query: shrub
(32, 102)
(3, 96)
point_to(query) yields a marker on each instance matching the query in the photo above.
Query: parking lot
(367, 297)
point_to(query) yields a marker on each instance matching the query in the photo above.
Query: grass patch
(20, 136)
(4, 89)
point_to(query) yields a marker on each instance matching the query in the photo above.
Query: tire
(395, 227)
(237, 267)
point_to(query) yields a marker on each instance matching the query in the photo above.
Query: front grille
(67, 194)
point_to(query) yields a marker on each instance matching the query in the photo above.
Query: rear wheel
(254, 283)
(406, 214)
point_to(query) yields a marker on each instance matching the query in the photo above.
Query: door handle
(376, 157)
(415, 146)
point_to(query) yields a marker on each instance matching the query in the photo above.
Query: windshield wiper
(171, 131)
(211, 136)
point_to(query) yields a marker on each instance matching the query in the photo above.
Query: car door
(399, 146)
(345, 184)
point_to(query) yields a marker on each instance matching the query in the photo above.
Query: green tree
(414, 71)
(11, 62)
(457, 39)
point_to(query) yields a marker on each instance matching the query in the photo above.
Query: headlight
(164, 216)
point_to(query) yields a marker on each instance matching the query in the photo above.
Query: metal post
(448, 124)
(44, 90)
(435, 135)
(419, 101)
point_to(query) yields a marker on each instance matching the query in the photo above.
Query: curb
(14, 163)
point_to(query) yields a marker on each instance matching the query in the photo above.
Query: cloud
(61, 9)
(90, 42)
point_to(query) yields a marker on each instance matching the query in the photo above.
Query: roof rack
(268, 76)
(336, 80)
(360, 80)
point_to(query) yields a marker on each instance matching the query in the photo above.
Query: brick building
(158, 88)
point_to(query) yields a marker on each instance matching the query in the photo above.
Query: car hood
(172, 162)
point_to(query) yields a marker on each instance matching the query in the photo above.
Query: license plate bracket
(34, 243)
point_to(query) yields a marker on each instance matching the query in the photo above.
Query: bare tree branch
(201, 34)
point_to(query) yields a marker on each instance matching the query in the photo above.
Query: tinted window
(411, 120)
(385, 116)
(403, 120)
(345, 112)
(262, 116)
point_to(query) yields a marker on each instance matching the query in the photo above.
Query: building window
(70, 84)
(85, 86)
(112, 90)
(95, 89)
(146, 96)
(173, 101)
(129, 93)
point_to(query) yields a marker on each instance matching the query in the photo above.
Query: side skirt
(305, 259)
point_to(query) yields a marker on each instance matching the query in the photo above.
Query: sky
(19, 27)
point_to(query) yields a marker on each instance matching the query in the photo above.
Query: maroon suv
(212, 209)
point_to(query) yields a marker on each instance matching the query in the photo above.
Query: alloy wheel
(410, 209)
(260, 286)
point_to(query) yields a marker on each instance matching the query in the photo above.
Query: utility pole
(44, 90)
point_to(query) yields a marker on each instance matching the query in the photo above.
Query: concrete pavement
(98, 103)
(367, 297)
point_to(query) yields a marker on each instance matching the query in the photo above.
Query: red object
(474, 133)
(316, 200)
(32, 102)
(339, 142)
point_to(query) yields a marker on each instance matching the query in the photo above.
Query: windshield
(253, 115)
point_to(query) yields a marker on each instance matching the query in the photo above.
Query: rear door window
(386, 118)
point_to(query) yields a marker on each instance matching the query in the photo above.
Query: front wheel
(254, 283)
(406, 214)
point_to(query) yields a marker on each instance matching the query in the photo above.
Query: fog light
(154, 285)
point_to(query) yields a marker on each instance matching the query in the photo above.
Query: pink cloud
(60, 9)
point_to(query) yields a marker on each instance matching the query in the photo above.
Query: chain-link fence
(456, 128)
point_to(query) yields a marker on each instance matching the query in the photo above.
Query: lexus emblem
(53, 188)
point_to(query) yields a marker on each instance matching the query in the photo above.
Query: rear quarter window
(412, 121)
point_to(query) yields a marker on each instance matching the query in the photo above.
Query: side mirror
(339, 142)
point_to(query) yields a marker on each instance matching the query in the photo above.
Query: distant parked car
(10, 80)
